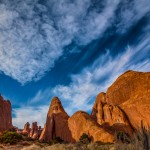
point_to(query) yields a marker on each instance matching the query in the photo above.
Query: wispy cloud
(41, 95)
(130, 13)
(97, 78)
(33, 35)
(29, 114)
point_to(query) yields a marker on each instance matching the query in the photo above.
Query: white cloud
(29, 114)
(32, 35)
(130, 13)
(41, 95)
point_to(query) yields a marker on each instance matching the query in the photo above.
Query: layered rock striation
(5, 115)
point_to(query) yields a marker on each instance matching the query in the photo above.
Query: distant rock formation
(26, 129)
(35, 131)
(131, 93)
(110, 116)
(56, 123)
(5, 115)
(81, 122)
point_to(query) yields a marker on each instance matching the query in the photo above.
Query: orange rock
(56, 123)
(5, 115)
(131, 92)
(81, 122)
(110, 116)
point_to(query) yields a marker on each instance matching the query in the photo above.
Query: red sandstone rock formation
(26, 129)
(81, 122)
(56, 123)
(131, 92)
(5, 115)
(126, 103)
(35, 131)
(110, 116)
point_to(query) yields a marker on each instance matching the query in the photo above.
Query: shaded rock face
(5, 115)
(81, 122)
(131, 92)
(56, 123)
(110, 116)
(26, 129)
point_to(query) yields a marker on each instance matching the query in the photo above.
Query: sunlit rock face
(126, 103)
(131, 92)
(5, 115)
(110, 116)
(56, 123)
(81, 122)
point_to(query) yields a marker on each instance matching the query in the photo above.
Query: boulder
(56, 123)
(81, 122)
(5, 115)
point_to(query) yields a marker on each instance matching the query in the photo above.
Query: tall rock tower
(5, 114)
(56, 123)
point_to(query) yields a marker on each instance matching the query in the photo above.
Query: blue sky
(70, 49)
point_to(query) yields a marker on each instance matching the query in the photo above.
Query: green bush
(10, 137)
(85, 139)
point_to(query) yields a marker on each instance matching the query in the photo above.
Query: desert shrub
(56, 140)
(85, 139)
(10, 137)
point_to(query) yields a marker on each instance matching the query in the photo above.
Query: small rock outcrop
(5, 115)
(56, 123)
(35, 131)
(81, 122)
(26, 129)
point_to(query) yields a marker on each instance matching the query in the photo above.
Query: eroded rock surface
(81, 122)
(131, 92)
(110, 116)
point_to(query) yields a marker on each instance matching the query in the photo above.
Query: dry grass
(91, 146)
